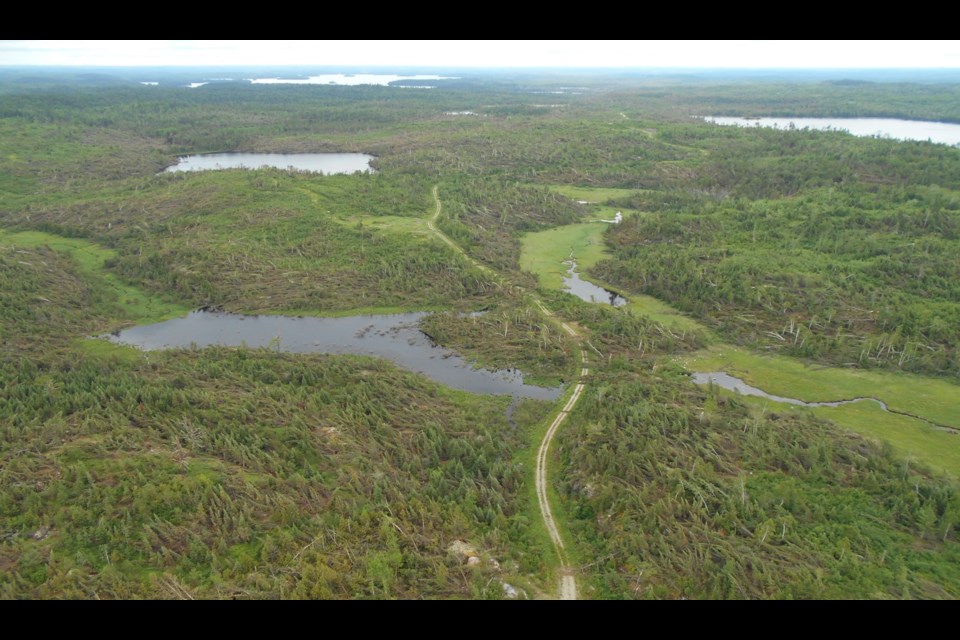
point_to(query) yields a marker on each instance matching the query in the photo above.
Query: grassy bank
(136, 304)
(930, 398)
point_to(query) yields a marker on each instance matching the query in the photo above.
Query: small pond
(317, 162)
(394, 337)
(588, 291)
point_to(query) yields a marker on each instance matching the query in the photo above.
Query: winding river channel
(731, 383)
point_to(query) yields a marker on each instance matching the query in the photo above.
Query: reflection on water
(726, 381)
(352, 79)
(589, 291)
(318, 162)
(942, 132)
(394, 337)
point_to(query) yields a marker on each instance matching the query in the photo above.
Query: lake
(317, 162)
(588, 291)
(942, 132)
(393, 337)
(355, 79)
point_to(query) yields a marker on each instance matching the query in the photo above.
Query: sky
(749, 54)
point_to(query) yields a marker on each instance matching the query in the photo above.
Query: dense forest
(254, 473)
(680, 493)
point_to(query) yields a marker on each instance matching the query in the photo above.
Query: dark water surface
(588, 291)
(394, 337)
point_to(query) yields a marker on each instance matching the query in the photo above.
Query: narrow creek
(732, 383)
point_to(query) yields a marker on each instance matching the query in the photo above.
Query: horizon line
(467, 67)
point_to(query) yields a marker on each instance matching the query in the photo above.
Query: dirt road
(568, 582)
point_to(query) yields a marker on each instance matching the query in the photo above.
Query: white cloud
(489, 53)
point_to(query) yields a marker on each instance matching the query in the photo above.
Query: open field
(593, 195)
(543, 254)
